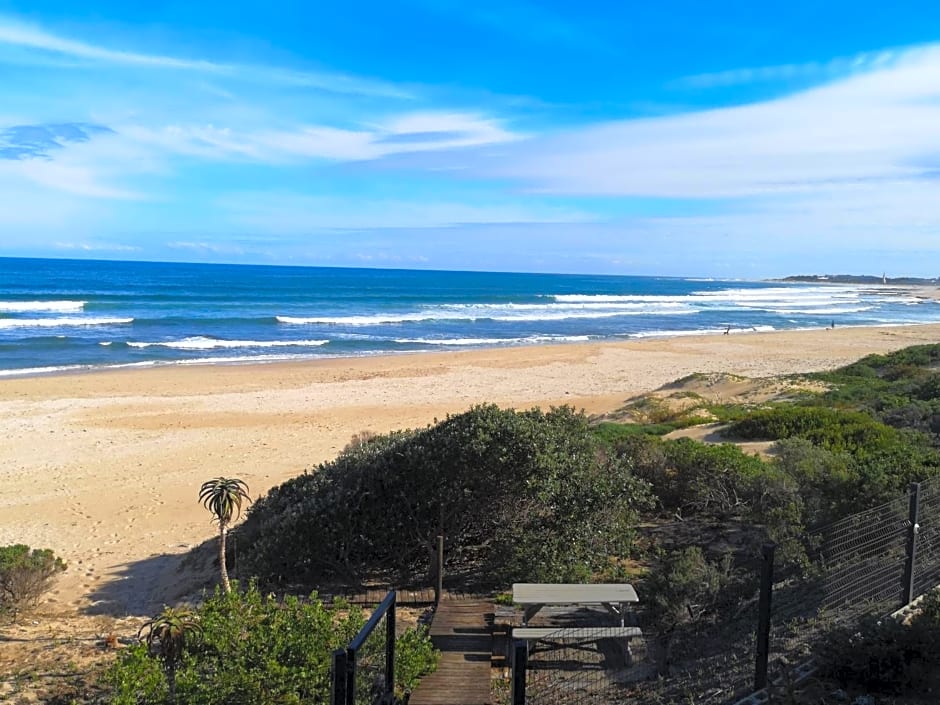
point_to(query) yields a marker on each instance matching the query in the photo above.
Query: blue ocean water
(58, 315)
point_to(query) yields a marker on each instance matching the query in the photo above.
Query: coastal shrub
(683, 591)
(517, 495)
(882, 382)
(789, 421)
(923, 416)
(253, 648)
(25, 576)
(612, 433)
(685, 586)
(825, 478)
(690, 477)
(882, 655)
(888, 365)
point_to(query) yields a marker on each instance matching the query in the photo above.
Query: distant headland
(860, 279)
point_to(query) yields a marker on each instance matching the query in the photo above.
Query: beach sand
(104, 468)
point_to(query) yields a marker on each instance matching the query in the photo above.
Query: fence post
(913, 518)
(390, 646)
(763, 615)
(350, 677)
(338, 686)
(520, 662)
(439, 572)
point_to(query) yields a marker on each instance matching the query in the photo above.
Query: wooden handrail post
(439, 584)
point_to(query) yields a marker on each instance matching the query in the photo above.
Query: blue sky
(675, 138)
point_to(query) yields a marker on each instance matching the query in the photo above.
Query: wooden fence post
(439, 584)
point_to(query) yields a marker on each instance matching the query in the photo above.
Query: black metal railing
(364, 672)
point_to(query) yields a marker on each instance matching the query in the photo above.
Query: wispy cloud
(18, 34)
(813, 70)
(96, 246)
(880, 126)
(416, 132)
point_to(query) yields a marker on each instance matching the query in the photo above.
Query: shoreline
(79, 370)
(104, 467)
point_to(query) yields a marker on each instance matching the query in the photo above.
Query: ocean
(63, 315)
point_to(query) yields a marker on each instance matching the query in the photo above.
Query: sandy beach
(104, 468)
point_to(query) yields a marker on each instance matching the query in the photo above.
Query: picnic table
(534, 596)
(615, 597)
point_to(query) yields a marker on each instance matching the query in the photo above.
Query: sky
(730, 139)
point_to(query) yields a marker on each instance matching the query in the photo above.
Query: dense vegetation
(547, 496)
(517, 495)
(245, 648)
(886, 655)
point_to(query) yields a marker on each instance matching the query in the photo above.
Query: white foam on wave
(240, 359)
(808, 300)
(53, 370)
(205, 343)
(65, 322)
(496, 341)
(707, 331)
(30, 371)
(44, 306)
(353, 320)
(562, 315)
(497, 312)
(823, 310)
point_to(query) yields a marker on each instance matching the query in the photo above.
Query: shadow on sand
(142, 588)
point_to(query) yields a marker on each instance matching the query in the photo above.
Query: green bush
(252, 649)
(930, 608)
(613, 433)
(517, 496)
(819, 424)
(25, 575)
(691, 477)
(882, 656)
(685, 587)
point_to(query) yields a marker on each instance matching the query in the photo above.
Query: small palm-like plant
(223, 497)
(166, 639)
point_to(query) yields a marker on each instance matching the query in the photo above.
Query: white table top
(572, 593)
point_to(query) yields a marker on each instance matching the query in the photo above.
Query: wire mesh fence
(708, 665)
(585, 665)
(927, 559)
(871, 563)
(705, 663)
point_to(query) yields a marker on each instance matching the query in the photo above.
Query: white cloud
(96, 246)
(813, 70)
(880, 126)
(20, 35)
(401, 134)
